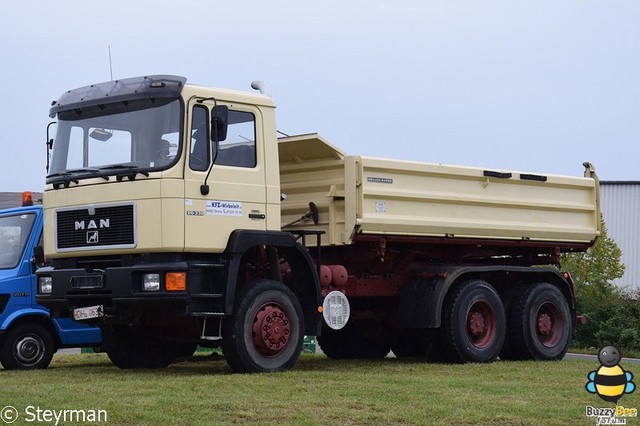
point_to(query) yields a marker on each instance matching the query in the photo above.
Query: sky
(534, 85)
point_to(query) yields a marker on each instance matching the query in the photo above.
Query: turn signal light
(176, 281)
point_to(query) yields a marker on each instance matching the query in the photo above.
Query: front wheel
(27, 347)
(473, 323)
(266, 330)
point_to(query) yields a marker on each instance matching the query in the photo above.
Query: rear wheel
(473, 324)
(266, 331)
(540, 323)
(130, 347)
(27, 347)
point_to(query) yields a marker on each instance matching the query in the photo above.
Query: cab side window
(199, 155)
(239, 148)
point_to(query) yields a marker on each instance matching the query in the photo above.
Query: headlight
(45, 285)
(151, 282)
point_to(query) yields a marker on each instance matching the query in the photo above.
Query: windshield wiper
(63, 178)
(73, 175)
(92, 172)
(132, 171)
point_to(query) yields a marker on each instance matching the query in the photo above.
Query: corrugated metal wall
(620, 205)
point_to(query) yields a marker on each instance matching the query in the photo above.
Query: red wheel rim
(549, 325)
(270, 330)
(481, 325)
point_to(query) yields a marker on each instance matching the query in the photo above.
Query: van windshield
(14, 234)
(101, 141)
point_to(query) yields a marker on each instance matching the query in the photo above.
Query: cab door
(236, 197)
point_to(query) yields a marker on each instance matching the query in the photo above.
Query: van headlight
(45, 285)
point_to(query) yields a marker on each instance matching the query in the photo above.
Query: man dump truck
(28, 336)
(175, 217)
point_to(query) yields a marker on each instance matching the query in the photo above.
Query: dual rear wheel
(530, 322)
(539, 324)
(478, 325)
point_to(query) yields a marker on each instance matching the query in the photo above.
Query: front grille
(111, 226)
(87, 281)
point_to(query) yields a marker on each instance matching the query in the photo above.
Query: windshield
(14, 234)
(104, 140)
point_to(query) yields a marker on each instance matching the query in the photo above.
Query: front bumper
(118, 289)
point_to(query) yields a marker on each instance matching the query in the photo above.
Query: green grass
(317, 391)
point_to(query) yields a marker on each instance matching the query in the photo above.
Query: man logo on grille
(92, 237)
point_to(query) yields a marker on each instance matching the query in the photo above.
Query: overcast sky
(537, 86)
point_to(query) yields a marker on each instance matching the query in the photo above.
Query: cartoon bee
(610, 381)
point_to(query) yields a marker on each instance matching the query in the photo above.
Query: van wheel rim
(29, 350)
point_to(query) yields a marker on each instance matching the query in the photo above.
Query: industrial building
(620, 206)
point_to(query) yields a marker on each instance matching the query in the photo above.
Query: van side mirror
(38, 257)
(219, 123)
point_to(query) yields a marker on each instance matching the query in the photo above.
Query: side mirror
(219, 123)
(38, 257)
(49, 143)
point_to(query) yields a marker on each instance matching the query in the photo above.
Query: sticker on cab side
(223, 208)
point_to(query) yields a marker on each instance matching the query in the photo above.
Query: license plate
(88, 312)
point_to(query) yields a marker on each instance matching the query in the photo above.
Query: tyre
(129, 347)
(357, 340)
(266, 331)
(540, 323)
(27, 347)
(473, 323)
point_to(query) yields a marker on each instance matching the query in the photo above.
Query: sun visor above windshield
(129, 89)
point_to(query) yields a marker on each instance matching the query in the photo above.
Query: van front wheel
(27, 347)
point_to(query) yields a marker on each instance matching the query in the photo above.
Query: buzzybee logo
(610, 382)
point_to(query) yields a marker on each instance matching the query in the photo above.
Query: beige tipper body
(364, 195)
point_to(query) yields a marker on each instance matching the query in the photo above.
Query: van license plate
(88, 312)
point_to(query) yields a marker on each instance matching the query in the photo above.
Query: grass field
(318, 391)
